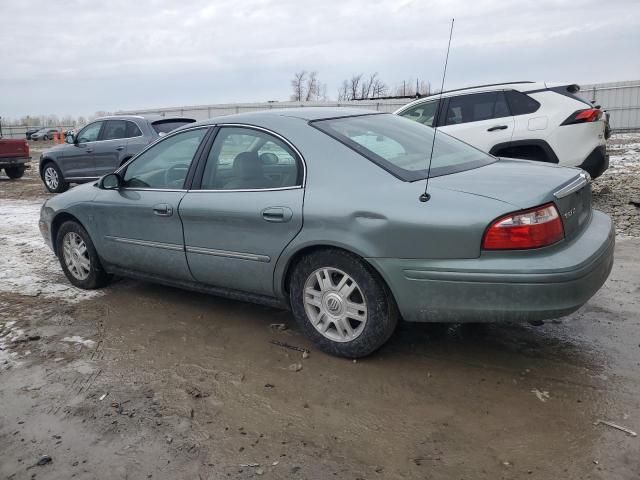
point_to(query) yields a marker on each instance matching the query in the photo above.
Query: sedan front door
(245, 211)
(140, 229)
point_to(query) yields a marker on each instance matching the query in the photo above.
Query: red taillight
(584, 116)
(534, 228)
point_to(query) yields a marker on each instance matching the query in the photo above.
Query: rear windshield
(402, 146)
(166, 126)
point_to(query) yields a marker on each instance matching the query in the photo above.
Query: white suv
(535, 121)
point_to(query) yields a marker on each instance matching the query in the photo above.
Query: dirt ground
(143, 381)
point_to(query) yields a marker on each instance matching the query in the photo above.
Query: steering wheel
(174, 176)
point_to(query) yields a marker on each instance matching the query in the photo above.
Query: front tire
(14, 172)
(341, 303)
(78, 257)
(53, 179)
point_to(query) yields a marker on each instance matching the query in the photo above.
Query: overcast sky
(80, 56)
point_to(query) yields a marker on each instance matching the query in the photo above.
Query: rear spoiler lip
(173, 119)
(574, 185)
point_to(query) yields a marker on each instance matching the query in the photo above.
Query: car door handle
(89, 150)
(163, 210)
(277, 214)
(497, 127)
(120, 148)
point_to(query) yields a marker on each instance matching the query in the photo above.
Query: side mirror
(70, 139)
(113, 181)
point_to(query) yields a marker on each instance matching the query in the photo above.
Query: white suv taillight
(583, 116)
(534, 228)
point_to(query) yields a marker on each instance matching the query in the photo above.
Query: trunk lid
(525, 184)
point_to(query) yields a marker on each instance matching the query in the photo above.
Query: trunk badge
(569, 213)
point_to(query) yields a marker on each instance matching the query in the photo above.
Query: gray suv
(101, 147)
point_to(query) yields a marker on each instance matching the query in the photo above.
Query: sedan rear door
(243, 210)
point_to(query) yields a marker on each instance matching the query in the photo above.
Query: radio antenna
(426, 196)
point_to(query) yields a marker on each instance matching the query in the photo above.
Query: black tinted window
(114, 129)
(476, 107)
(520, 103)
(133, 130)
(166, 126)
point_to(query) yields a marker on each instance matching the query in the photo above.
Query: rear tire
(78, 257)
(341, 303)
(14, 172)
(53, 179)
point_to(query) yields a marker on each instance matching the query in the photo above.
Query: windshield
(402, 146)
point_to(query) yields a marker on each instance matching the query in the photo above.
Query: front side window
(114, 129)
(90, 132)
(165, 165)
(423, 113)
(476, 107)
(244, 158)
(403, 147)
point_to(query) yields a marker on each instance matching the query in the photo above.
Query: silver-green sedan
(322, 210)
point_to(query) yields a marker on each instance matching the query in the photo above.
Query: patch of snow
(27, 265)
(79, 340)
(7, 333)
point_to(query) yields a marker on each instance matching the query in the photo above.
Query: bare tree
(298, 85)
(354, 86)
(81, 121)
(312, 87)
(343, 91)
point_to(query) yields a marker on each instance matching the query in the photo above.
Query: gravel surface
(617, 192)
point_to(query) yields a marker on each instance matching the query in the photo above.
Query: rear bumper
(513, 286)
(596, 162)
(14, 161)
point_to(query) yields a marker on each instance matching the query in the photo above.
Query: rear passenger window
(114, 129)
(476, 107)
(133, 130)
(248, 159)
(520, 103)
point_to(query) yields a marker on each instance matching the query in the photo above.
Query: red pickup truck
(14, 156)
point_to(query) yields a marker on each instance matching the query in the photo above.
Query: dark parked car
(101, 147)
(48, 133)
(31, 131)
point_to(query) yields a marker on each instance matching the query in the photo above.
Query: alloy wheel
(76, 256)
(335, 304)
(51, 178)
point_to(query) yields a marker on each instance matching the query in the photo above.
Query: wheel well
(57, 223)
(43, 163)
(537, 150)
(299, 255)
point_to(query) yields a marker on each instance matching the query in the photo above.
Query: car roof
(302, 113)
(149, 118)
